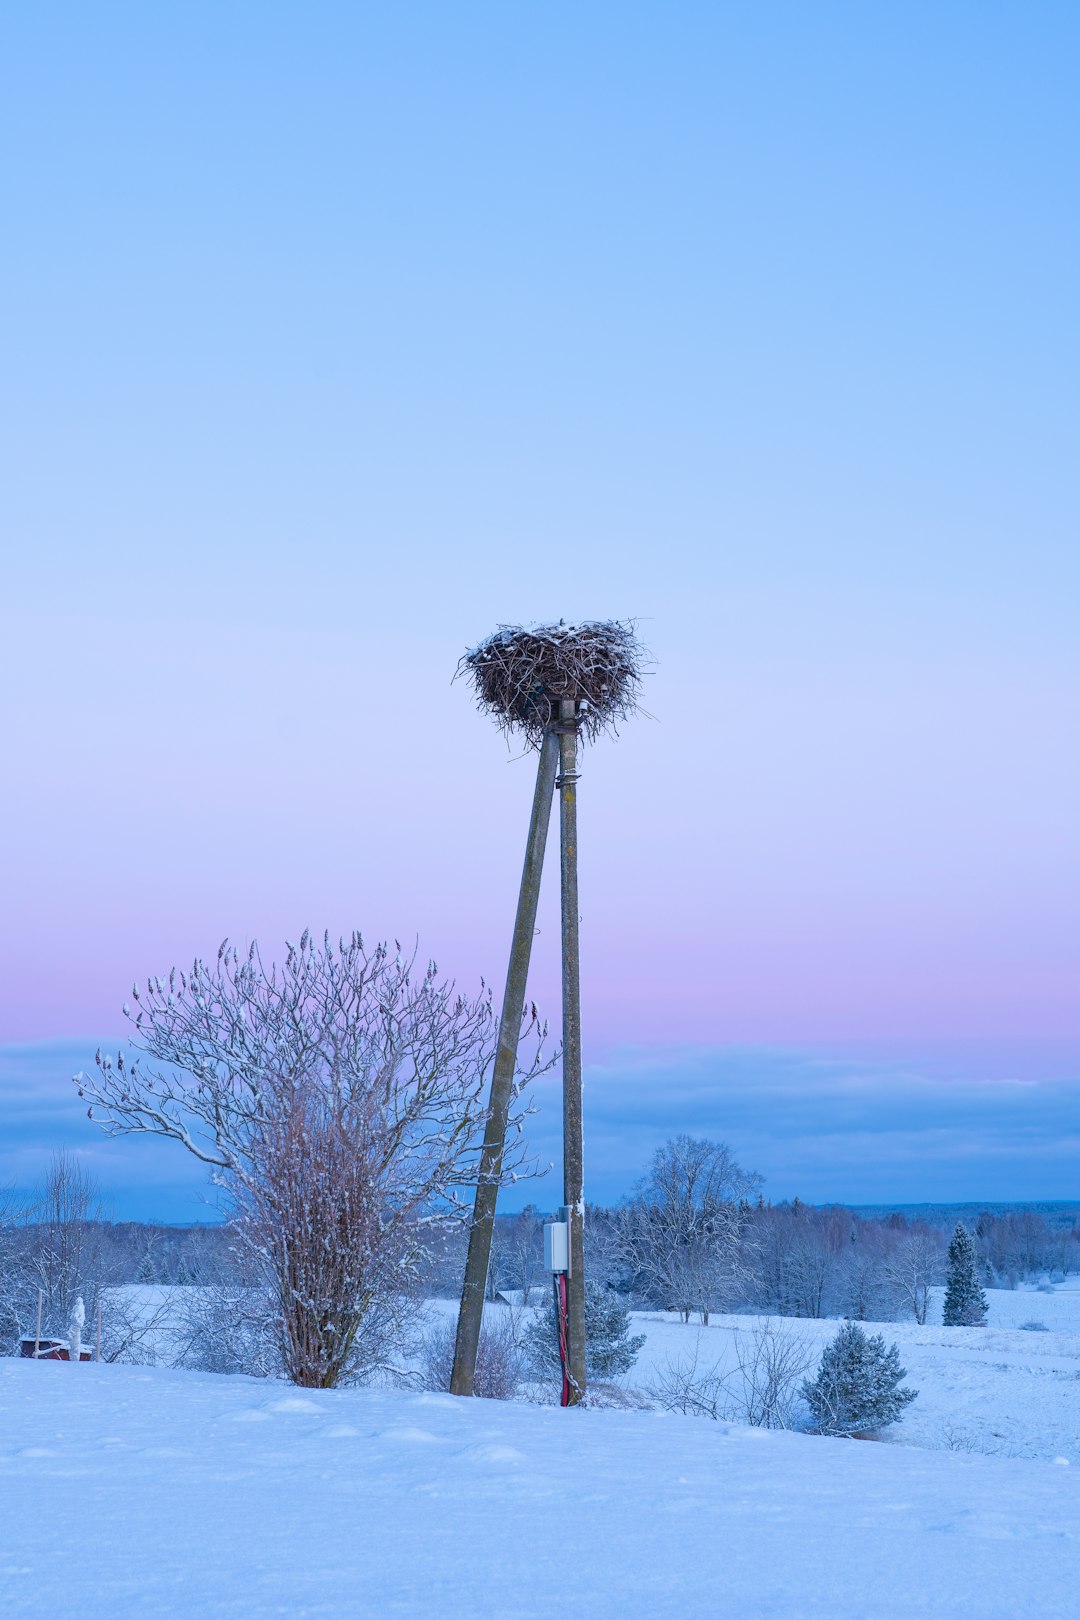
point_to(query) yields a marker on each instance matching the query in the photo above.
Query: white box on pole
(557, 1246)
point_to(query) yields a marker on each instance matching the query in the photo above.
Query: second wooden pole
(573, 1152)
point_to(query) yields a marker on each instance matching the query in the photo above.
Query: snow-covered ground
(994, 1390)
(1055, 1305)
(1000, 1390)
(131, 1491)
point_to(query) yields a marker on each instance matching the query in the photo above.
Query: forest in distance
(658, 1250)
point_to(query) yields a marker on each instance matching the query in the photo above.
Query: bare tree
(500, 1363)
(517, 1258)
(14, 1278)
(771, 1360)
(681, 1384)
(64, 1249)
(818, 1246)
(338, 1098)
(762, 1389)
(53, 1244)
(682, 1233)
(913, 1266)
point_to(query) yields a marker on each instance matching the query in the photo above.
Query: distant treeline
(793, 1258)
(1057, 1213)
(697, 1236)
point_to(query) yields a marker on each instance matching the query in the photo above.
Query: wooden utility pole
(558, 685)
(573, 1153)
(471, 1310)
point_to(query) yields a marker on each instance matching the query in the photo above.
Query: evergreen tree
(147, 1273)
(610, 1349)
(965, 1302)
(856, 1389)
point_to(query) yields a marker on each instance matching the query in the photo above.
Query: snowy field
(132, 1491)
(999, 1390)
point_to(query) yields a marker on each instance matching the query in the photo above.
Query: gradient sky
(336, 334)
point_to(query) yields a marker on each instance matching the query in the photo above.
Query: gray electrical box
(557, 1246)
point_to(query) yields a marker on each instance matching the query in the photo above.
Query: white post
(37, 1340)
(78, 1317)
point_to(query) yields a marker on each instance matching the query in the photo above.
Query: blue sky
(336, 335)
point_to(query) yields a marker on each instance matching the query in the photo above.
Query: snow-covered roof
(537, 1295)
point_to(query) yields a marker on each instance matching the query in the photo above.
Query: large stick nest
(521, 673)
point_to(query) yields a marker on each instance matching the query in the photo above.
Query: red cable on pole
(564, 1332)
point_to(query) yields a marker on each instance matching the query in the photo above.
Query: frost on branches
(965, 1302)
(683, 1235)
(610, 1348)
(856, 1390)
(340, 1101)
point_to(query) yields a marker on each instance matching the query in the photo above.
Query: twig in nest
(521, 673)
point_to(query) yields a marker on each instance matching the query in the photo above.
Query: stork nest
(521, 673)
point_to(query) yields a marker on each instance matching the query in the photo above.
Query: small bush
(679, 1386)
(499, 1359)
(1034, 1327)
(227, 1328)
(610, 1349)
(762, 1390)
(771, 1360)
(856, 1390)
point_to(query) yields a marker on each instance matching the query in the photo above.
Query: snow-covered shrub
(340, 1100)
(615, 1397)
(500, 1361)
(965, 1302)
(1034, 1327)
(762, 1390)
(960, 1437)
(680, 1385)
(610, 1348)
(139, 1325)
(771, 1360)
(856, 1390)
(228, 1328)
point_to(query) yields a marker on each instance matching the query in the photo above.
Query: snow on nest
(165, 1496)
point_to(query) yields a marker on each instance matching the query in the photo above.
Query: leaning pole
(471, 1312)
(556, 685)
